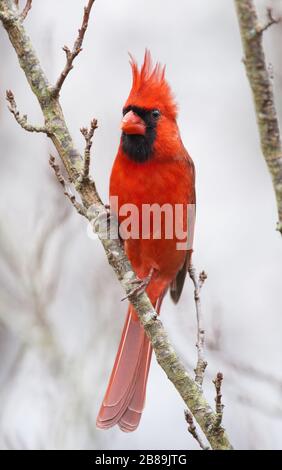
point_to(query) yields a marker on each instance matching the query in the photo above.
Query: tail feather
(125, 396)
(131, 418)
(127, 359)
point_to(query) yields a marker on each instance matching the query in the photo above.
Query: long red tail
(125, 396)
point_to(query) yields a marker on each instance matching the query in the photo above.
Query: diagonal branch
(258, 75)
(22, 120)
(167, 358)
(77, 48)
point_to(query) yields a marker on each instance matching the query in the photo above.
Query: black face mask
(140, 147)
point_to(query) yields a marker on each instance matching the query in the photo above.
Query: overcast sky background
(50, 395)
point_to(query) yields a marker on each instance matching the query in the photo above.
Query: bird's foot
(141, 286)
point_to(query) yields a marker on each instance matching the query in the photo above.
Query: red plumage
(150, 88)
(164, 175)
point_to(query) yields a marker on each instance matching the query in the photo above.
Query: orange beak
(133, 124)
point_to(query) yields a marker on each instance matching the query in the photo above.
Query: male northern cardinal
(151, 167)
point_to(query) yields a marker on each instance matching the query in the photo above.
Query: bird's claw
(142, 284)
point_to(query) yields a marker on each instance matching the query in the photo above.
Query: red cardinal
(152, 166)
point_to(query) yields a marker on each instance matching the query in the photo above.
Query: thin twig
(26, 9)
(22, 120)
(201, 362)
(193, 430)
(270, 22)
(77, 48)
(218, 403)
(79, 207)
(88, 136)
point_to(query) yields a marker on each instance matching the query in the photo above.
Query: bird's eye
(155, 113)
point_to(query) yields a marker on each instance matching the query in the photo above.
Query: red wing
(177, 284)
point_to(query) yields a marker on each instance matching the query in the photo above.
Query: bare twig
(202, 277)
(79, 207)
(26, 9)
(77, 48)
(193, 430)
(88, 136)
(260, 82)
(218, 403)
(201, 362)
(270, 22)
(22, 120)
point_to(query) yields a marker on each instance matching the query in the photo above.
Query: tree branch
(201, 362)
(218, 403)
(188, 389)
(26, 9)
(77, 48)
(78, 207)
(258, 75)
(193, 430)
(22, 120)
(270, 22)
(88, 136)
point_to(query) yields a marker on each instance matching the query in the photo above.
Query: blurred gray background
(60, 309)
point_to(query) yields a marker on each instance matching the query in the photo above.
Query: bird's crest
(149, 87)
